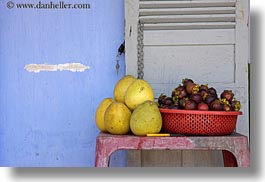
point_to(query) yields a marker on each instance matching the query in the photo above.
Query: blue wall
(47, 118)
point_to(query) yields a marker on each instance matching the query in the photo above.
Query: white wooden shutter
(206, 40)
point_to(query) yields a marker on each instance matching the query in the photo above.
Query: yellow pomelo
(117, 118)
(146, 119)
(100, 112)
(138, 92)
(122, 86)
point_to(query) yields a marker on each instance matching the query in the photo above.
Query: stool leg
(102, 154)
(242, 155)
(101, 160)
(237, 154)
(104, 149)
(229, 159)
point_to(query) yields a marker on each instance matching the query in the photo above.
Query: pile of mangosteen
(192, 96)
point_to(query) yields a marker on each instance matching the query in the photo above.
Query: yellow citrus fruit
(117, 118)
(100, 112)
(137, 93)
(146, 119)
(122, 86)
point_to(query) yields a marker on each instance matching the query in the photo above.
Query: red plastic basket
(195, 122)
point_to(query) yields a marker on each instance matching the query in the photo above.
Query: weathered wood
(190, 26)
(159, 158)
(180, 62)
(131, 22)
(188, 18)
(187, 11)
(241, 61)
(177, 4)
(202, 158)
(189, 37)
(134, 158)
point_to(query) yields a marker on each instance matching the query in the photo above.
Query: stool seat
(235, 146)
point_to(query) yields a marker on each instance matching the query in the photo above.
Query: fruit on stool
(122, 86)
(192, 88)
(161, 99)
(228, 95)
(117, 118)
(236, 105)
(186, 81)
(100, 112)
(179, 92)
(137, 93)
(196, 97)
(216, 105)
(203, 87)
(190, 105)
(203, 106)
(208, 99)
(146, 118)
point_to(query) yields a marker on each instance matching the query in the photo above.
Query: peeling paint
(73, 67)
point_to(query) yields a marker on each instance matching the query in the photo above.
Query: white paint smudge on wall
(73, 67)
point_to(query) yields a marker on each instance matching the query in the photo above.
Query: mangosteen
(216, 105)
(173, 106)
(228, 95)
(203, 87)
(190, 105)
(179, 92)
(192, 88)
(161, 99)
(235, 105)
(196, 97)
(203, 92)
(186, 81)
(212, 91)
(208, 99)
(182, 103)
(227, 107)
(168, 101)
(203, 106)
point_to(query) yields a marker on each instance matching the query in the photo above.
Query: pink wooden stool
(235, 147)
